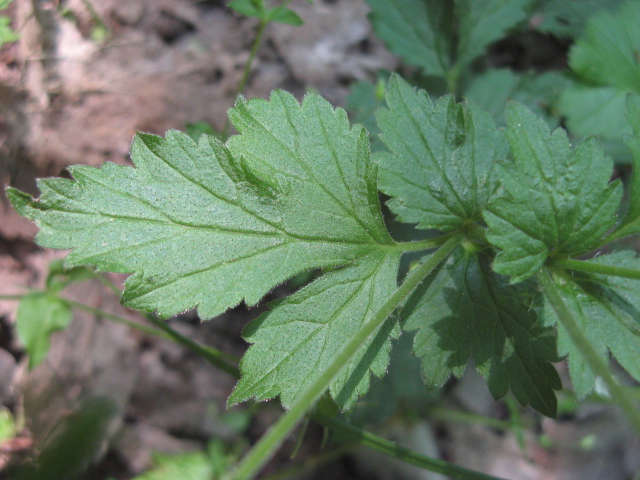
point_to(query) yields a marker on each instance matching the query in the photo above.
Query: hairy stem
(271, 441)
(590, 355)
(247, 71)
(392, 449)
(591, 267)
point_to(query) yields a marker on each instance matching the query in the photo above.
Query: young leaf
(249, 8)
(605, 58)
(631, 222)
(415, 30)
(467, 311)
(39, 315)
(302, 335)
(185, 466)
(439, 171)
(555, 201)
(284, 15)
(608, 309)
(209, 226)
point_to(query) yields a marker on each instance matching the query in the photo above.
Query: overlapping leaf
(209, 226)
(605, 59)
(423, 33)
(608, 312)
(467, 311)
(303, 334)
(555, 200)
(567, 18)
(440, 169)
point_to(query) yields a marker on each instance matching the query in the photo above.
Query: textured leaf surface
(39, 315)
(440, 167)
(605, 58)
(608, 312)
(202, 225)
(467, 311)
(415, 30)
(554, 200)
(302, 335)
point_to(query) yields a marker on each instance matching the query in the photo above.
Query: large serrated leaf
(467, 311)
(607, 310)
(209, 226)
(555, 201)
(302, 335)
(439, 171)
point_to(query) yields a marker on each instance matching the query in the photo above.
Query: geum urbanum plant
(209, 225)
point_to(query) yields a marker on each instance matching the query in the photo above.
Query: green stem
(271, 441)
(247, 71)
(396, 451)
(416, 246)
(591, 267)
(590, 355)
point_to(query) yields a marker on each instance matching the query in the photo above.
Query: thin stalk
(396, 451)
(247, 71)
(591, 267)
(416, 246)
(271, 441)
(450, 415)
(216, 357)
(590, 355)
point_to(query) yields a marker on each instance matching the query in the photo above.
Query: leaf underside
(607, 310)
(467, 311)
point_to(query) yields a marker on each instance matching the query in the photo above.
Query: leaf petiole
(591, 267)
(271, 441)
(595, 362)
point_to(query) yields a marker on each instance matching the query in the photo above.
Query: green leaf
(416, 30)
(39, 315)
(608, 311)
(250, 8)
(482, 22)
(197, 129)
(467, 311)
(555, 200)
(539, 92)
(606, 60)
(7, 425)
(302, 335)
(7, 35)
(284, 15)
(361, 103)
(185, 466)
(567, 18)
(631, 222)
(440, 169)
(209, 226)
(421, 32)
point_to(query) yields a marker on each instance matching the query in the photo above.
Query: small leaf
(467, 311)
(284, 15)
(7, 34)
(250, 8)
(567, 18)
(415, 30)
(605, 59)
(302, 335)
(555, 201)
(608, 311)
(439, 171)
(39, 315)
